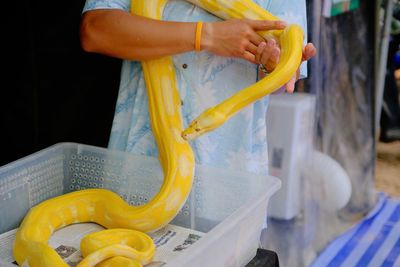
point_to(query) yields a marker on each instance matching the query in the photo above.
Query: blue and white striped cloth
(374, 242)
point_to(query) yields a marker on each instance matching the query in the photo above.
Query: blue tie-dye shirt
(204, 80)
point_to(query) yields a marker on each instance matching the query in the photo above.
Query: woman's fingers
(252, 48)
(309, 51)
(289, 86)
(263, 25)
(239, 38)
(266, 25)
(257, 43)
(268, 54)
(235, 37)
(259, 51)
(273, 59)
(249, 57)
(255, 38)
(271, 55)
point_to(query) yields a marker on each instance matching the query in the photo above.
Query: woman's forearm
(120, 34)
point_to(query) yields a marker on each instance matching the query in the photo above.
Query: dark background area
(52, 91)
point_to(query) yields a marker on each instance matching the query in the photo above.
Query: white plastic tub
(229, 206)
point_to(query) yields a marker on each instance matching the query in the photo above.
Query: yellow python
(121, 245)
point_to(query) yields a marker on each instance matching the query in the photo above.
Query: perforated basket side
(137, 179)
(27, 182)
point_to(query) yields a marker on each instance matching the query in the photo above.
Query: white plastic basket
(229, 206)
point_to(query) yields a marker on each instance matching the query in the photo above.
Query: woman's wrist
(206, 36)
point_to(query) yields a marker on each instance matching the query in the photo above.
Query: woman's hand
(268, 54)
(309, 51)
(237, 37)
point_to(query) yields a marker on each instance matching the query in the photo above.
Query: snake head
(209, 120)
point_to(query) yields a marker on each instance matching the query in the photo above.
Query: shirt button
(184, 66)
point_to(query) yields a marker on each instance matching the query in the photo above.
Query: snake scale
(124, 243)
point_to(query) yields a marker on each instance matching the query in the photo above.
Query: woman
(228, 62)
